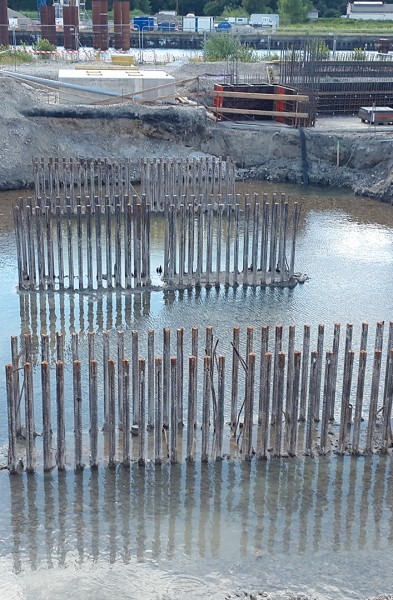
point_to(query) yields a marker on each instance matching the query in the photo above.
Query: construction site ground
(340, 151)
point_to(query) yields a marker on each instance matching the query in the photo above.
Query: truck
(266, 20)
(191, 23)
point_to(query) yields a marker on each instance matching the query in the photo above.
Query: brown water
(322, 527)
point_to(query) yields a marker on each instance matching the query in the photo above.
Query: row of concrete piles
(121, 9)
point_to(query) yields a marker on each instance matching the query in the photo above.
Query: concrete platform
(140, 85)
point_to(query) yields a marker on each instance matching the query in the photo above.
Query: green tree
(222, 46)
(293, 11)
(256, 6)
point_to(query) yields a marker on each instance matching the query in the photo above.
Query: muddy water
(323, 527)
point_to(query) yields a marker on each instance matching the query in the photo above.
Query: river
(318, 527)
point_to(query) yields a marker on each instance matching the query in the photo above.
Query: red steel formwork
(95, 7)
(4, 40)
(125, 26)
(104, 44)
(117, 18)
(48, 23)
(71, 26)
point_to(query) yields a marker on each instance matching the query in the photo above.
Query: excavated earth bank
(30, 126)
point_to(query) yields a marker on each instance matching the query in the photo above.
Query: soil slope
(31, 126)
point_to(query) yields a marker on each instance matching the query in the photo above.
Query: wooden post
(60, 452)
(199, 266)
(190, 252)
(29, 413)
(134, 377)
(98, 225)
(16, 384)
(46, 415)
(311, 403)
(249, 406)
(305, 365)
(387, 407)
(325, 402)
(283, 239)
(120, 357)
(192, 364)
(359, 400)
(265, 403)
(264, 241)
(105, 358)
(279, 404)
(93, 404)
(273, 241)
(194, 352)
(111, 414)
(71, 283)
(77, 389)
(236, 248)
(219, 242)
(142, 404)
(108, 242)
(182, 250)
(295, 226)
(89, 247)
(345, 402)
(289, 389)
(264, 349)
(209, 243)
(235, 375)
(11, 411)
(158, 410)
(220, 407)
(166, 376)
(292, 449)
(246, 240)
(179, 375)
(150, 380)
(80, 243)
(206, 408)
(126, 412)
(373, 409)
(277, 350)
(336, 345)
(174, 416)
(379, 335)
(228, 213)
(321, 330)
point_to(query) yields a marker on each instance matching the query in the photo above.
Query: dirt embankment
(30, 127)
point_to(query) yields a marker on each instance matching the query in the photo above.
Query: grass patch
(14, 56)
(223, 46)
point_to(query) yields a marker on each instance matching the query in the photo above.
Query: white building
(377, 11)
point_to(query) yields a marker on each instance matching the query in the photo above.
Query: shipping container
(191, 23)
(145, 23)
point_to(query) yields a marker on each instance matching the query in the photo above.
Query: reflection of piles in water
(277, 403)
(269, 509)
